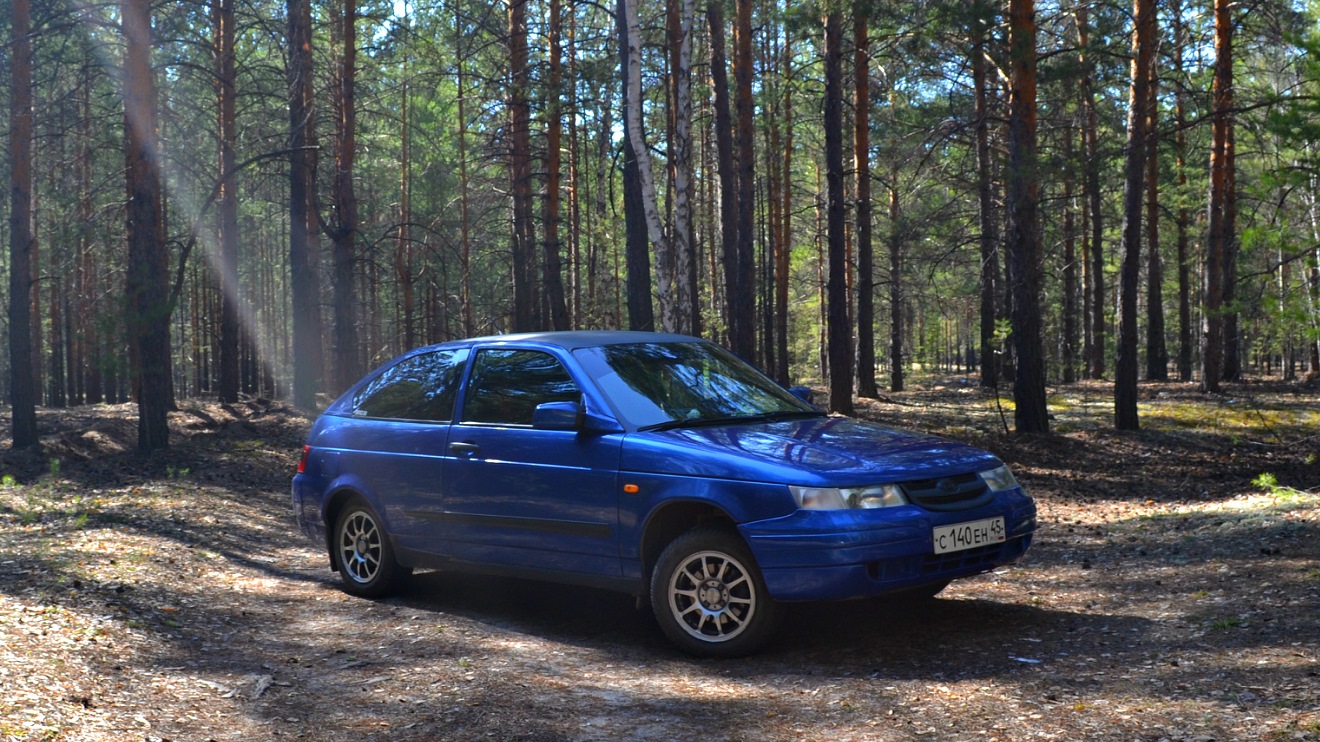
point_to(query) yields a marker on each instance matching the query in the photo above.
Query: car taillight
(302, 462)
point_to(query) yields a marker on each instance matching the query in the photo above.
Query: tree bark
(1184, 214)
(989, 237)
(1069, 360)
(637, 255)
(304, 269)
(552, 248)
(146, 289)
(344, 234)
(682, 248)
(742, 324)
(866, 386)
(1157, 352)
(525, 302)
(838, 329)
(1024, 237)
(227, 204)
(22, 393)
(664, 263)
(1216, 249)
(896, 380)
(1125, 369)
(725, 164)
(1096, 272)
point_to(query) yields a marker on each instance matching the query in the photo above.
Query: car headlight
(999, 480)
(849, 498)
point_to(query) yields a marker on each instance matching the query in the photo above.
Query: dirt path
(1168, 597)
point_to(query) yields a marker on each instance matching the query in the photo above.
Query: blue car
(660, 465)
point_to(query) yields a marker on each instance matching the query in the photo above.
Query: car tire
(364, 553)
(709, 597)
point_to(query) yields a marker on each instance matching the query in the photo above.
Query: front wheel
(709, 597)
(364, 554)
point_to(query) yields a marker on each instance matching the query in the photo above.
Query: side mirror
(572, 416)
(803, 393)
(557, 416)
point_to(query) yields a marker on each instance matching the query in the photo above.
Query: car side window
(507, 385)
(423, 387)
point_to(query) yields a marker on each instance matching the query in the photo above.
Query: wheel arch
(672, 520)
(334, 503)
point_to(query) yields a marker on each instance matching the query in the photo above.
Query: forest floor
(1173, 593)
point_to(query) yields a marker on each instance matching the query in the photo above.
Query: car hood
(825, 451)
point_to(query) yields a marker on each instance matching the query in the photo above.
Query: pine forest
(245, 197)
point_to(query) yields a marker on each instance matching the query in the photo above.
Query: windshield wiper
(704, 422)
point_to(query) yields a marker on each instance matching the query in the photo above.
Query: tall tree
(520, 171)
(1125, 369)
(866, 386)
(719, 80)
(742, 324)
(1184, 216)
(304, 279)
(1095, 273)
(1024, 237)
(682, 248)
(664, 263)
(1218, 236)
(1157, 352)
(148, 316)
(22, 392)
(980, 23)
(838, 327)
(1069, 299)
(227, 205)
(637, 254)
(345, 230)
(552, 247)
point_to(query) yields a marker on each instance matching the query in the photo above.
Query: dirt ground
(1173, 594)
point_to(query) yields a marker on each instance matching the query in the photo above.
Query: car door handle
(464, 448)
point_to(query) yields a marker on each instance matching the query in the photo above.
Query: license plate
(960, 536)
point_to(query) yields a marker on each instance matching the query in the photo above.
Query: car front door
(519, 496)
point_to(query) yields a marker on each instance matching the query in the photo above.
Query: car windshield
(669, 385)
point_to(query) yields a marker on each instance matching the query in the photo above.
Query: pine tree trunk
(344, 236)
(989, 237)
(1069, 360)
(1216, 249)
(742, 325)
(637, 253)
(683, 250)
(404, 261)
(464, 214)
(719, 76)
(227, 204)
(1157, 352)
(866, 386)
(896, 380)
(552, 266)
(22, 392)
(1184, 217)
(1125, 369)
(525, 300)
(1024, 237)
(304, 272)
(838, 328)
(1096, 269)
(147, 288)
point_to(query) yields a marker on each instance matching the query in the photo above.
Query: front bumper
(835, 555)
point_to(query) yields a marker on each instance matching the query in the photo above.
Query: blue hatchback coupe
(660, 465)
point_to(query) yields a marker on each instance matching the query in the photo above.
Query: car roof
(573, 339)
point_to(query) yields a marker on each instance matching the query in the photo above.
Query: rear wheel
(709, 597)
(364, 554)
